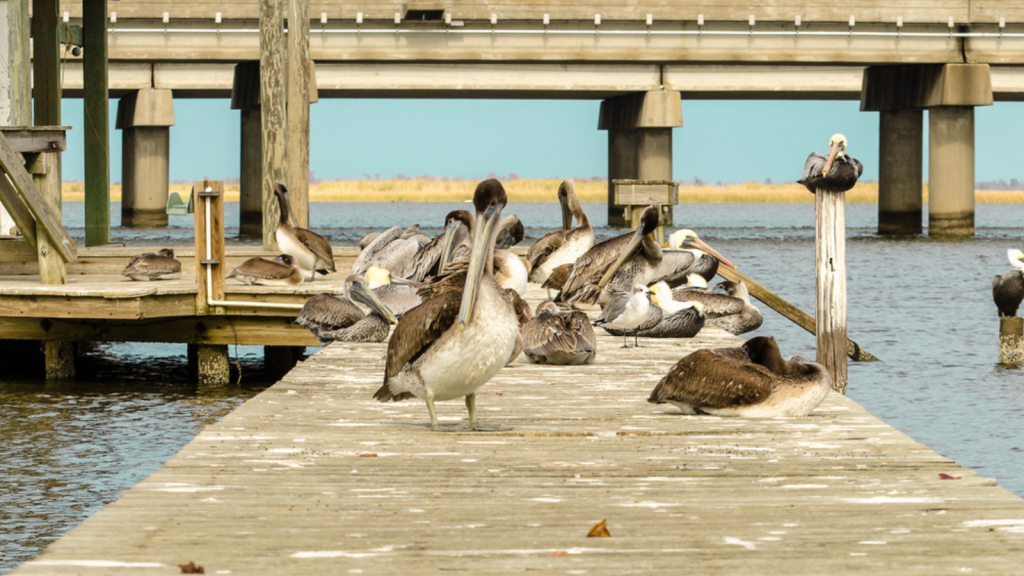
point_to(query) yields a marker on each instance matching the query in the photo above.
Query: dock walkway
(315, 477)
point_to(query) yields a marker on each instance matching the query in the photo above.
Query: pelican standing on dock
(753, 381)
(563, 246)
(836, 172)
(332, 318)
(280, 271)
(311, 251)
(160, 265)
(465, 330)
(1008, 287)
(557, 337)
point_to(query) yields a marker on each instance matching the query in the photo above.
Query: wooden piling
(272, 105)
(59, 356)
(298, 110)
(279, 360)
(830, 277)
(212, 365)
(97, 123)
(20, 63)
(212, 191)
(1011, 340)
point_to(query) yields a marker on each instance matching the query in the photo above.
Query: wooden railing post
(212, 191)
(830, 277)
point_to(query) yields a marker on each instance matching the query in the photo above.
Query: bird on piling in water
(509, 269)
(1008, 287)
(556, 337)
(159, 265)
(629, 312)
(280, 271)
(752, 381)
(727, 306)
(615, 265)
(688, 254)
(561, 246)
(465, 330)
(835, 172)
(311, 251)
(332, 318)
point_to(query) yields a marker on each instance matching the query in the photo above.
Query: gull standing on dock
(160, 265)
(752, 381)
(465, 330)
(836, 172)
(1008, 287)
(557, 337)
(563, 246)
(332, 318)
(629, 312)
(311, 251)
(280, 271)
(668, 318)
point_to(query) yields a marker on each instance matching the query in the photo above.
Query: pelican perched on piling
(1008, 287)
(561, 246)
(311, 251)
(752, 381)
(465, 330)
(509, 269)
(280, 271)
(556, 337)
(159, 265)
(629, 313)
(332, 318)
(836, 172)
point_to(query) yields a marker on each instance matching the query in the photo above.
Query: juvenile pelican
(523, 315)
(428, 260)
(332, 318)
(1008, 288)
(836, 172)
(509, 270)
(160, 265)
(464, 331)
(393, 249)
(397, 294)
(629, 312)
(280, 271)
(727, 306)
(311, 251)
(752, 381)
(555, 281)
(556, 337)
(561, 246)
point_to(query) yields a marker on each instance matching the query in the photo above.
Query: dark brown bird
(835, 172)
(523, 315)
(1008, 287)
(160, 265)
(331, 317)
(280, 271)
(557, 337)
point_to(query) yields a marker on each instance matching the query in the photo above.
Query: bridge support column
(900, 171)
(145, 118)
(245, 96)
(951, 171)
(639, 140)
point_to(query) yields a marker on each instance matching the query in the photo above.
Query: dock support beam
(639, 140)
(951, 171)
(279, 360)
(212, 366)
(1011, 340)
(272, 103)
(59, 356)
(900, 171)
(96, 125)
(830, 278)
(145, 118)
(298, 110)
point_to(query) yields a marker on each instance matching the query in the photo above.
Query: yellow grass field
(538, 190)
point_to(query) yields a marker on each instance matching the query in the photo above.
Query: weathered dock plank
(314, 477)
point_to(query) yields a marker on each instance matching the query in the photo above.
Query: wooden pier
(315, 477)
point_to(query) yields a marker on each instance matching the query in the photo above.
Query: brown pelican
(752, 381)
(563, 246)
(836, 172)
(280, 271)
(311, 251)
(332, 318)
(727, 306)
(523, 315)
(509, 270)
(413, 233)
(397, 294)
(160, 265)
(689, 255)
(367, 239)
(616, 265)
(555, 281)
(464, 331)
(556, 337)
(1008, 288)
(629, 312)
(393, 249)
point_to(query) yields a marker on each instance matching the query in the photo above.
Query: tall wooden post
(45, 63)
(298, 109)
(272, 104)
(97, 123)
(830, 276)
(21, 84)
(211, 191)
(1011, 340)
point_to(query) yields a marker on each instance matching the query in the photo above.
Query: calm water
(923, 306)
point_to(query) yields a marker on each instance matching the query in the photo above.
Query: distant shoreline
(543, 190)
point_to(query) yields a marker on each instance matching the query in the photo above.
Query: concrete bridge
(640, 58)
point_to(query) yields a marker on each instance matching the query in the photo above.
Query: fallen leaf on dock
(368, 455)
(496, 394)
(599, 530)
(191, 568)
(559, 553)
(944, 476)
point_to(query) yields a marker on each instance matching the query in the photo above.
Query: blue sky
(727, 141)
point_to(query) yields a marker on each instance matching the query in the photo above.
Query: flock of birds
(456, 304)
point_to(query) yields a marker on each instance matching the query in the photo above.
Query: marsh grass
(543, 190)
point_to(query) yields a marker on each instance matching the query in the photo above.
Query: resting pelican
(629, 312)
(561, 246)
(311, 251)
(160, 265)
(555, 281)
(280, 271)
(397, 294)
(509, 270)
(332, 318)
(367, 239)
(428, 260)
(1008, 288)
(464, 331)
(393, 249)
(752, 381)
(836, 172)
(727, 306)
(670, 319)
(689, 255)
(556, 337)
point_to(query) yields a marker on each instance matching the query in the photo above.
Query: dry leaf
(496, 394)
(943, 476)
(368, 455)
(599, 530)
(191, 568)
(559, 553)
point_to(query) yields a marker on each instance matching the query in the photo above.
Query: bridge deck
(314, 477)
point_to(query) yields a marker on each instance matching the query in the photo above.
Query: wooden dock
(314, 477)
